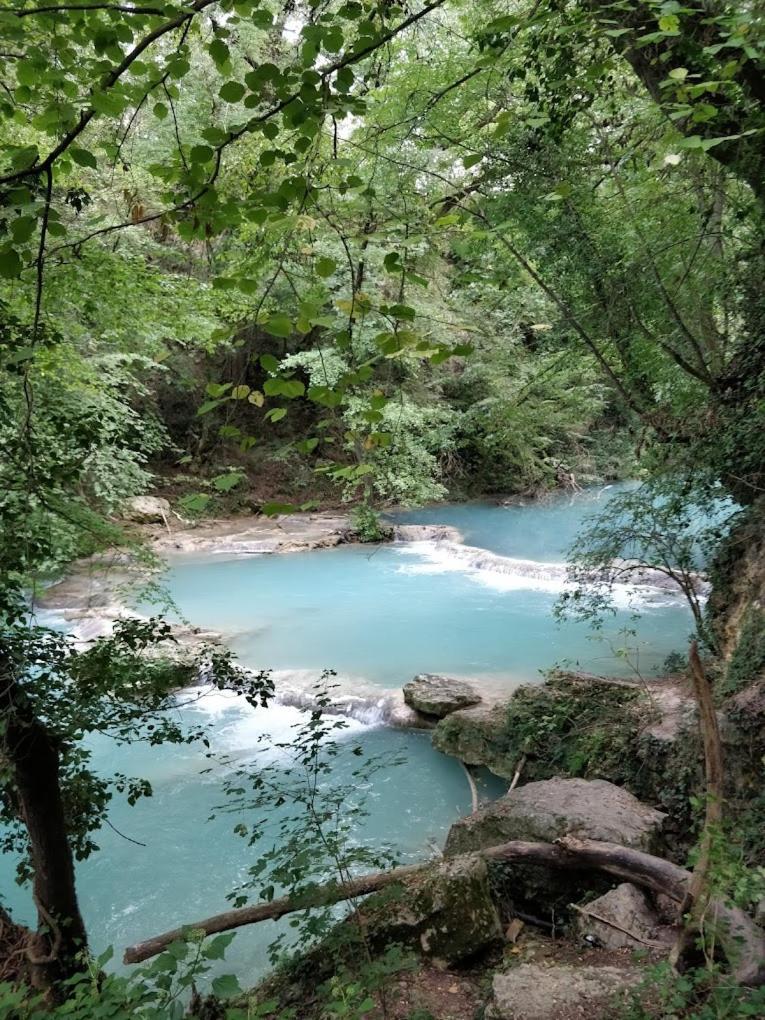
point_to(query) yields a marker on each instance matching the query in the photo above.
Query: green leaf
(402, 312)
(392, 262)
(225, 986)
(22, 228)
(278, 325)
(160, 111)
(225, 483)
(216, 390)
(209, 405)
(269, 363)
(232, 91)
(274, 509)
(325, 267)
(289, 388)
(83, 157)
(276, 414)
(201, 154)
(194, 503)
(10, 264)
(218, 51)
(469, 161)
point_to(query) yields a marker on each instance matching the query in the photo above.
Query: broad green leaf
(216, 390)
(278, 325)
(225, 986)
(232, 91)
(269, 363)
(218, 51)
(201, 154)
(209, 405)
(325, 267)
(274, 509)
(10, 264)
(225, 483)
(194, 503)
(83, 157)
(22, 228)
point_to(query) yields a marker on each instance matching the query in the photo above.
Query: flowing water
(377, 616)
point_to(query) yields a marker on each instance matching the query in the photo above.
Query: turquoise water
(380, 615)
(189, 863)
(535, 529)
(377, 616)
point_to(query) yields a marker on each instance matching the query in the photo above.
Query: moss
(591, 730)
(569, 727)
(747, 663)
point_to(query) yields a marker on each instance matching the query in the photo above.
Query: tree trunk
(32, 754)
(697, 897)
(742, 939)
(743, 151)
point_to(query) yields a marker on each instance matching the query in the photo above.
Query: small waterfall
(440, 553)
(348, 696)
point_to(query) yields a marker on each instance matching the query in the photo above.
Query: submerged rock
(447, 914)
(547, 810)
(628, 909)
(436, 695)
(532, 991)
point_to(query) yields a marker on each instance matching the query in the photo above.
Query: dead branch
(743, 941)
(617, 927)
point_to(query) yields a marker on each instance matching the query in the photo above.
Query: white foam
(507, 573)
(242, 730)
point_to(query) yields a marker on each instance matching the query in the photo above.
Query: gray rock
(531, 991)
(477, 736)
(147, 510)
(628, 908)
(545, 811)
(438, 695)
(447, 915)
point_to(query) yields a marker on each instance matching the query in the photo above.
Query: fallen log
(741, 938)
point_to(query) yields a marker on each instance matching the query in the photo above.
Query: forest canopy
(376, 249)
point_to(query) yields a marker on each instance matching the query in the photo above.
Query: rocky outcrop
(426, 533)
(622, 919)
(545, 811)
(477, 736)
(447, 915)
(533, 991)
(147, 510)
(438, 696)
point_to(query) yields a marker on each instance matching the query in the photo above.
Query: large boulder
(533, 991)
(478, 736)
(438, 696)
(147, 510)
(447, 914)
(547, 810)
(633, 922)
